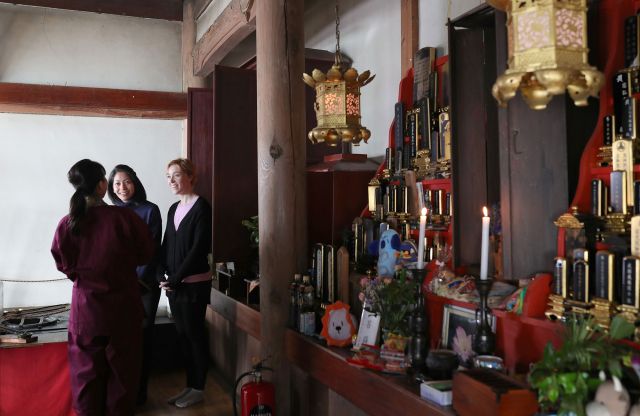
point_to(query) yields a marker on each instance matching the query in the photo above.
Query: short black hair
(140, 195)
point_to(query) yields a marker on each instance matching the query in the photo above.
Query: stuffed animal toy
(337, 325)
(408, 253)
(611, 399)
(388, 253)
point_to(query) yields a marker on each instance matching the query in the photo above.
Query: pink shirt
(182, 210)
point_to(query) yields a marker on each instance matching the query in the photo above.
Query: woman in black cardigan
(187, 276)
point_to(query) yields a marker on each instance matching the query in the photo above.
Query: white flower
(462, 344)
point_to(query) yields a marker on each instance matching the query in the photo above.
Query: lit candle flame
(424, 212)
(485, 212)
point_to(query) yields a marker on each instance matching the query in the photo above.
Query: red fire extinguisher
(257, 397)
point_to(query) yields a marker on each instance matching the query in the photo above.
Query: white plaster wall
(37, 153)
(433, 16)
(433, 20)
(47, 46)
(60, 47)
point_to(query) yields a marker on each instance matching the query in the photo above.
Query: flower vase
(393, 340)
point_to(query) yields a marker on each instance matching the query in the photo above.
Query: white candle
(484, 253)
(423, 223)
(420, 195)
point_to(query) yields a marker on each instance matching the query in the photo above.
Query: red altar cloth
(34, 381)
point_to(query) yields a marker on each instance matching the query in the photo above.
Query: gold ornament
(338, 101)
(548, 51)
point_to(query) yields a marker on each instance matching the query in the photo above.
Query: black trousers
(188, 311)
(150, 302)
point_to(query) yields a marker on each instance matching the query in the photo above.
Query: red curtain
(34, 381)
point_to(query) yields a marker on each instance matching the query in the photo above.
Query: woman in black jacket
(187, 275)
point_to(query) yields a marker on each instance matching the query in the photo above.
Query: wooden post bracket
(235, 23)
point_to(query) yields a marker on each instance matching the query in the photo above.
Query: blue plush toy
(388, 249)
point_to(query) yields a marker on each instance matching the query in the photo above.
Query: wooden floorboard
(164, 385)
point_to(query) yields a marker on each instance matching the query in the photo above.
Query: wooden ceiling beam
(97, 102)
(152, 9)
(235, 23)
(199, 6)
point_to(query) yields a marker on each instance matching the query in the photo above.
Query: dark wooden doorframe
(476, 173)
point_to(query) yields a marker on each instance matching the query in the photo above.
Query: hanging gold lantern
(338, 101)
(547, 48)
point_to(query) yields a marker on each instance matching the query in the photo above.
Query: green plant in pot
(251, 224)
(565, 379)
(392, 299)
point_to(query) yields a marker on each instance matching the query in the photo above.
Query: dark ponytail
(85, 176)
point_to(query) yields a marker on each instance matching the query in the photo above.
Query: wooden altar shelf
(374, 393)
(244, 317)
(520, 341)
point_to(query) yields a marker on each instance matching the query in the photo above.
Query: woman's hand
(166, 286)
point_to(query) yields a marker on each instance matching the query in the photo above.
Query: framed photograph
(459, 327)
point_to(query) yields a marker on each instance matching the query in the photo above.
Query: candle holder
(419, 346)
(484, 342)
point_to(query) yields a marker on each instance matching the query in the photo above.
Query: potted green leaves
(391, 298)
(251, 224)
(567, 377)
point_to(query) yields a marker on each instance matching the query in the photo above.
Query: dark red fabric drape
(34, 381)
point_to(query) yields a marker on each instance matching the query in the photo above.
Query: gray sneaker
(191, 398)
(179, 396)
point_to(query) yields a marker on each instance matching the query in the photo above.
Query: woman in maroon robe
(98, 247)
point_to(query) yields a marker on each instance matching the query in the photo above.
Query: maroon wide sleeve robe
(101, 261)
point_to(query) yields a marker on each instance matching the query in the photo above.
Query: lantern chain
(338, 54)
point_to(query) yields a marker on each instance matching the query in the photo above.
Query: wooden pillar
(409, 33)
(189, 80)
(281, 174)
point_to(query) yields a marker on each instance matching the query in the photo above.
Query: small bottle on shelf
(293, 300)
(307, 314)
(299, 297)
(437, 244)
